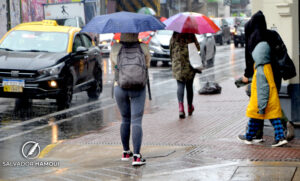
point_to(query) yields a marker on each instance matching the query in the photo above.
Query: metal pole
(8, 15)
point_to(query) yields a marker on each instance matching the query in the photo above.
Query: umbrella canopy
(123, 22)
(146, 10)
(189, 22)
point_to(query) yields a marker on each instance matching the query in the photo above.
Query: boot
(181, 111)
(190, 109)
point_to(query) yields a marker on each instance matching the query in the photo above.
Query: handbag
(194, 58)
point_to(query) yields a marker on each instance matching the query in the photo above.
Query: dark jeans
(131, 105)
(189, 89)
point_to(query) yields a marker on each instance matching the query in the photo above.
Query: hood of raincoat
(255, 30)
(261, 54)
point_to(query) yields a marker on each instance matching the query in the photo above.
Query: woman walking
(182, 69)
(130, 101)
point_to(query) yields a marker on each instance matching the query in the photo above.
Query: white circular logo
(31, 150)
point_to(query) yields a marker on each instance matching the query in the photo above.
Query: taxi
(41, 60)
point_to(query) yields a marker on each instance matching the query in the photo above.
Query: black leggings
(189, 90)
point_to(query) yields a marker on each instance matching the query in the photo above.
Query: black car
(43, 60)
(239, 36)
(239, 33)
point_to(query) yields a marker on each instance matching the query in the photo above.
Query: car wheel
(64, 99)
(153, 63)
(95, 90)
(228, 42)
(23, 103)
(236, 44)
(242, 44)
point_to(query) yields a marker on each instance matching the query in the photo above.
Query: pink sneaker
(126, 155)
(138, 160)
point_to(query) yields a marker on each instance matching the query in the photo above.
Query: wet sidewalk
(203, 146)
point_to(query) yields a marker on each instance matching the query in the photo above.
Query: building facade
(283, 16)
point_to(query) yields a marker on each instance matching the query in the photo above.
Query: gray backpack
(131, 67)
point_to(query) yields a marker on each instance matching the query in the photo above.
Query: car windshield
(35, 41)
(165, 32)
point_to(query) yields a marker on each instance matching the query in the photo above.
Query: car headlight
(55, 70)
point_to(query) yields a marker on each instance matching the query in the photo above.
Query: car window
(77, 43)
(87, 41)
(36, 41)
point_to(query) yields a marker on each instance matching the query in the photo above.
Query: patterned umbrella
(146, 10)
(189, 22)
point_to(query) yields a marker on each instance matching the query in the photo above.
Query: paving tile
(252, 173)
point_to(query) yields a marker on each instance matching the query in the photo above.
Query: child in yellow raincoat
(264, 101)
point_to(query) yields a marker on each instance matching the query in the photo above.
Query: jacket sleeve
(146, 51)
(249, 64)
(262, 89)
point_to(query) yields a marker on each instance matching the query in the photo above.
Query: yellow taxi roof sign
(50, 22)
(44, 22)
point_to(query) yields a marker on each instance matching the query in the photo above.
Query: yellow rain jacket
(264, 101)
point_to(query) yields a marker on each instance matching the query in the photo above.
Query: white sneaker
(279, 143)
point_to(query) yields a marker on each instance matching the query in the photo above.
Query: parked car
(159, 47)
(239, 33)
(222, 36)
(41, 60)
(105, 41)
(207, 49)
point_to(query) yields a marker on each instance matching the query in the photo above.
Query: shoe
(190, 109)
(126, 155)
(138, 160)
(254, 140)
(280, 142)
(181, 111)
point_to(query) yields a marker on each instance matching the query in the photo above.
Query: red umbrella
(190, 22)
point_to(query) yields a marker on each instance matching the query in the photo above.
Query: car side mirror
(81, 49)
(152, 34)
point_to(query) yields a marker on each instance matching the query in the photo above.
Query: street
(83, 142)
(41, 122)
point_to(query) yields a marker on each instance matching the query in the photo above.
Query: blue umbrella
(123, 22)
